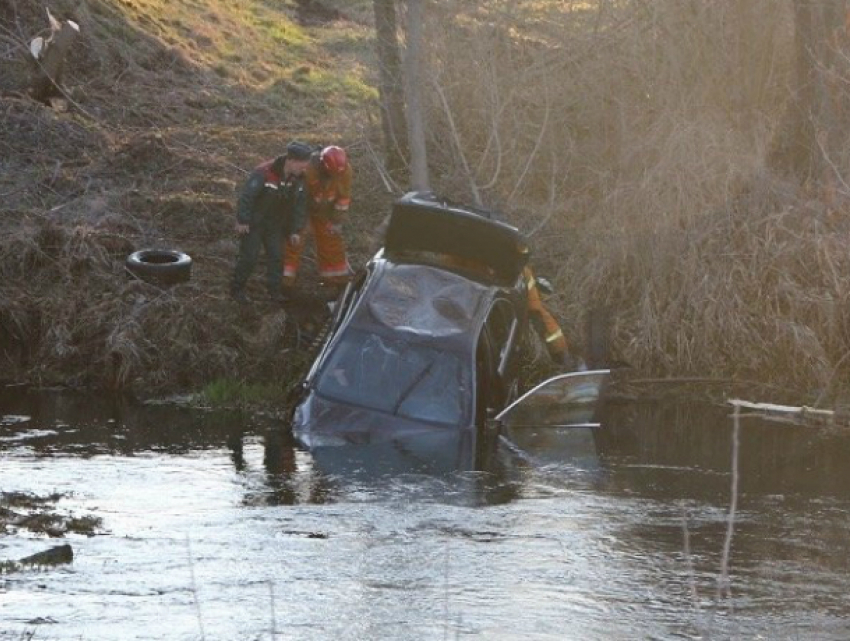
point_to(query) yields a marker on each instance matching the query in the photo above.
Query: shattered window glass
(398, 377)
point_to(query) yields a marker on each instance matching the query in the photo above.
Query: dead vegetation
(154, 144)
(23, 512)
(639, 143)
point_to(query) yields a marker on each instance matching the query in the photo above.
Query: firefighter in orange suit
(328, 185)
(547, 328)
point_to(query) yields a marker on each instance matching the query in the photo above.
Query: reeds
(635, 141)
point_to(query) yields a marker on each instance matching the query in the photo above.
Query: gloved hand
(242, 229)
(295, 239)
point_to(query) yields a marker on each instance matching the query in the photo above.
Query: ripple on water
(212, 529)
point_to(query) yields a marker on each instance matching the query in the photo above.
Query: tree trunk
(811, 137)
(415, 110)
(391, 86)
(803, 142)
(50, 64)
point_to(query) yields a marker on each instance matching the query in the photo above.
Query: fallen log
(54, 556)
(788, 412)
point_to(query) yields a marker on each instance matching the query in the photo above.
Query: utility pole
(415, 111)
(391, 86)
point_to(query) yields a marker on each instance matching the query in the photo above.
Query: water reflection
(571, 447)
(672, 452)
(290, 477)
(85, 425)
(69, 424)
(789, 544)
(611, 532)
(327, 475)
(659, 446)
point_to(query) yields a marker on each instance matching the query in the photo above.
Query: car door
(556, 421)
(503, 327)
(565, 400)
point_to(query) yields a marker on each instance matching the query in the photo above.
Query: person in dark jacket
(272, 205)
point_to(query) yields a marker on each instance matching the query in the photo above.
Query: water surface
(214, 526)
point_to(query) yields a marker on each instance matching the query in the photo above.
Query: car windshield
(407, 379)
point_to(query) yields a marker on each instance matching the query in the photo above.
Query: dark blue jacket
(269, 197)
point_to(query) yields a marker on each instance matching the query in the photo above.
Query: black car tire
(160, 266)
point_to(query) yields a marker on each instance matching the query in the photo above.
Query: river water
(215, 527)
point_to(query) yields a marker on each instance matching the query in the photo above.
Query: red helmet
(333, 160)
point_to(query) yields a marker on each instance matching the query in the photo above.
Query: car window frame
(498, 354)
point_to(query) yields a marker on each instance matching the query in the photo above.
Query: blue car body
(426, 342)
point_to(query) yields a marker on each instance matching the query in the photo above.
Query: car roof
(426, 302)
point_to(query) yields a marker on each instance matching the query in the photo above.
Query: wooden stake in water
(723, 587)
(195, 588)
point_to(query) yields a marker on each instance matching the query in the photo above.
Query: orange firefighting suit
(544, 323)
(328, 199)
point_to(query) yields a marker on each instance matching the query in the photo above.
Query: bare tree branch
(456, 138)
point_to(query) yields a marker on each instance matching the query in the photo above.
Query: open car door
(554, 420)
(566, 400)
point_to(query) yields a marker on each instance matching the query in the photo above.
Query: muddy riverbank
(149, 153)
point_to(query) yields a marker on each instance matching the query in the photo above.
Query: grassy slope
(316, 63)
(175, 101)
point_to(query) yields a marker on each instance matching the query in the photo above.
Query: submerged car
(426, 343)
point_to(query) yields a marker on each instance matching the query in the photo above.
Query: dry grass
(170, 108)
(74, 315)
(633, 140)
